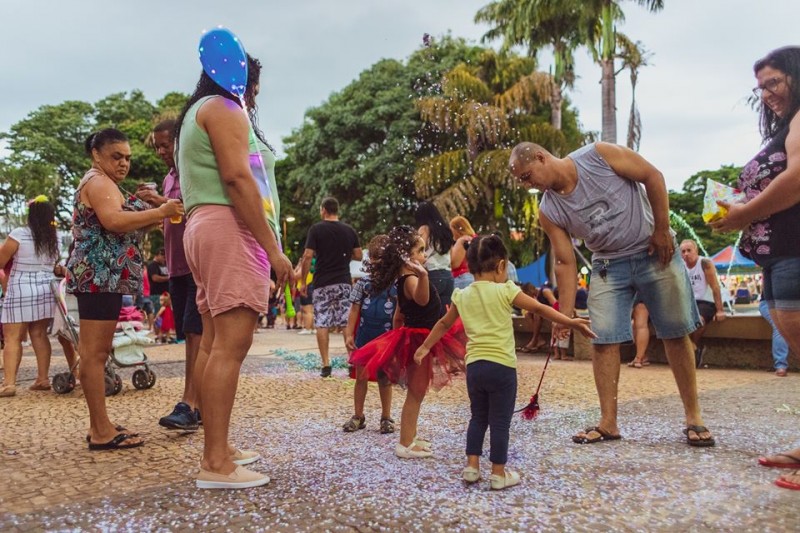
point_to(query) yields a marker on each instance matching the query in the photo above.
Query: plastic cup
(176, 219)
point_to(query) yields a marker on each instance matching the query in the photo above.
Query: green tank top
(197, 166)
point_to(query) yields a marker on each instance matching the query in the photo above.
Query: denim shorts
(665, 291)
(781, 283)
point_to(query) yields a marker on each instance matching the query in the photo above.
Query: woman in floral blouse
(105, 264)
(770, 216)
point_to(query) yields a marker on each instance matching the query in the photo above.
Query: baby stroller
(126, 350)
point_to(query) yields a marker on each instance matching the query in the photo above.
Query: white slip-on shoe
(241, 478)
(410, 453)
(422, 444)
(503, 482)
(245, 457)
(471, 474)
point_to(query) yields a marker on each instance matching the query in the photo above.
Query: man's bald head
(524, 154)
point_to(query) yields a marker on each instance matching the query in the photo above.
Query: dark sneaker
(326, 372)
(698, 357)
(182, 418)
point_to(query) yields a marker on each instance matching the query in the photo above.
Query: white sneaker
(241, 478)
(471, 475)
(410, 453)
(498, 482)
(245, 457)
(305, 332)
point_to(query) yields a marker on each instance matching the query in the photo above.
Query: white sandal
(471, 474)
(409, 452)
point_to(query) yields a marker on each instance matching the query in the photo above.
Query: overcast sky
(692, 99)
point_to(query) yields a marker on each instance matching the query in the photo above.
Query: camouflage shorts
(331, 305)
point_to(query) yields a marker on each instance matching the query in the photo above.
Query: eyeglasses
(770, 85)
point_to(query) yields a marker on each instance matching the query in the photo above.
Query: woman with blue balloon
(230, 244)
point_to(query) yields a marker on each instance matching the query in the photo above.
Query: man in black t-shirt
(334, 244)
(158, 276)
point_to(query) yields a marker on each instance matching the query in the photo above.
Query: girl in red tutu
(485, 307)
(401, 261)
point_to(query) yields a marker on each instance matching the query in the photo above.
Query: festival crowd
(436, 300)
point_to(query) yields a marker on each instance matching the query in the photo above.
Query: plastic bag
(716, 191)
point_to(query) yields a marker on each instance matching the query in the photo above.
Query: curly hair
(41, 221)
(787, 60)
(388, 258)
(441, 238)
(484, 253)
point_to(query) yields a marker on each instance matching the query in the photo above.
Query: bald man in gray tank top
(617, 202)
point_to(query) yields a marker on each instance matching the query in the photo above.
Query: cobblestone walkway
(324, 479)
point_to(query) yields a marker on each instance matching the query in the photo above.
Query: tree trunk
(608, 89)
(556, 99)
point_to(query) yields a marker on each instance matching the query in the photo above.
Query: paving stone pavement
(326, 480)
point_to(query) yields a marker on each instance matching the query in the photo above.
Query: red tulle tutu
(393, 353)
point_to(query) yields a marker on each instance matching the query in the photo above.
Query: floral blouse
(103, 261)
(778, 234)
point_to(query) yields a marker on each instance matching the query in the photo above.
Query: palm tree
(634, 56)
(482, 111)
(600, 18)
(537, 24)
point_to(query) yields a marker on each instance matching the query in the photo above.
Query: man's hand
(720, 316)
(283, 268)
(150, 196)
(735, 220)
(303, 290)
(661, 243)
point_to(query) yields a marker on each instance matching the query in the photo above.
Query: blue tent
(535, 273)
(731, 256)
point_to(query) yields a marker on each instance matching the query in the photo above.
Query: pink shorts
(229, 267)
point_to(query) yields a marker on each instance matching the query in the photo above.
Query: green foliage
(360, 145)
(466, 173)
(47, 149)
(688, 203)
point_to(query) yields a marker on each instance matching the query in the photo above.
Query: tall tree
(484, 108)
(634, 56)
(47, 148)
(360, 145)
(536, 24)
(600, 18)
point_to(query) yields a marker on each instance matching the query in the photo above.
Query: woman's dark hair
(484, 252)
(208, 87)
(386, 261)
(787, 60)
(441, 238)
(97, 140)
(41, 221)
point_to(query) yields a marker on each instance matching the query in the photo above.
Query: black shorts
(308, 300)
(183, 291)
(99, 305)
(707, 310)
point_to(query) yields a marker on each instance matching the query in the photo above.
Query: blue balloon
(224, 60)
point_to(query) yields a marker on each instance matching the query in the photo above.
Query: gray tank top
(610, 213)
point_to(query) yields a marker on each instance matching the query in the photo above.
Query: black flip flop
(701, 443)
(604, 436)
(118, 428)
(115, 443)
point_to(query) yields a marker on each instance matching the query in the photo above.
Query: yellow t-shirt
(485, 308)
